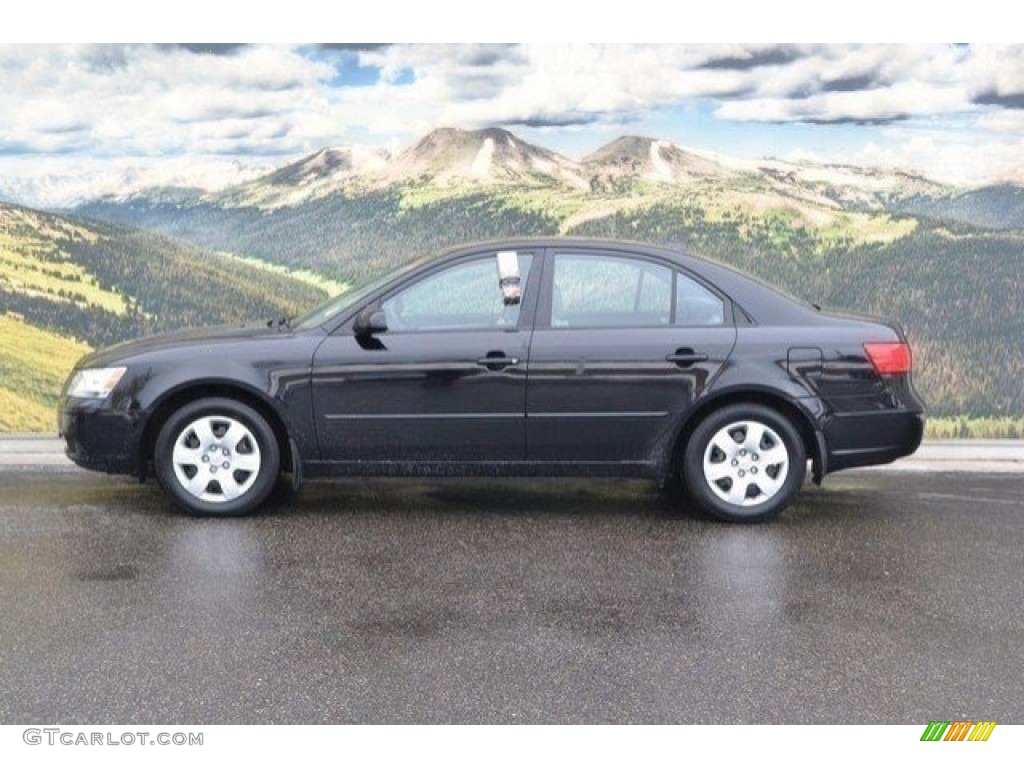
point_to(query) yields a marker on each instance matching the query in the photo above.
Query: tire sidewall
(270, 457)
(693, 464)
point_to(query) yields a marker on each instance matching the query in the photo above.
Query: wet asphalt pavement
(892, 598)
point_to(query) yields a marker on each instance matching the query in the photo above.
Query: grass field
(968, 427)
(33, 366)
(330, 287)
(36, 268)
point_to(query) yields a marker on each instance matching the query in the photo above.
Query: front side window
(596, 291)
(466, 296)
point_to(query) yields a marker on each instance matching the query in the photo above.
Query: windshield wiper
(284, 322)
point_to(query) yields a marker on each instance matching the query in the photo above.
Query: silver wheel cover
(746, 463)
(216, 459)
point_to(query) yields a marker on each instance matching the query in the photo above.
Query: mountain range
(493, 157)
(947, 262)
(331, 211)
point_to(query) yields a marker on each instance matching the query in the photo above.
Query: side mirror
(370, 321)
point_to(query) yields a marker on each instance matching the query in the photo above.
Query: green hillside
(948, 264)
(104, 283)
(355, 233)
(955, 288)
(1000, 206)
(33, 365)
(341, 237)
(67, 285)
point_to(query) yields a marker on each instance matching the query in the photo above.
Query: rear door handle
(495, 361)
(686, 357)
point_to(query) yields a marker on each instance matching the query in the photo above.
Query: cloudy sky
(92, 119)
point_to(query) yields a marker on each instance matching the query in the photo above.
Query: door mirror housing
(370, 321)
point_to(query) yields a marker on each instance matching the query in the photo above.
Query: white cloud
(146, 100)
(1003, 121)
(879, 105)
(828, 83)
(955, 158)
(560, 83)
(109, 106)
(54, 182)
(997, 75)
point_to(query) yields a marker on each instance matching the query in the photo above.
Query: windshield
(352, 296)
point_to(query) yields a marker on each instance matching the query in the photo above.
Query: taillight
(889, 357)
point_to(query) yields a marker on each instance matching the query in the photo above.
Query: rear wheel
(744, 463)
(216, 456)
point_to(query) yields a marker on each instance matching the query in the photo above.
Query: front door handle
(685, 357)
(496, 361)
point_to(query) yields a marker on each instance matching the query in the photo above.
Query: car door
(623, 345)
(446, 382)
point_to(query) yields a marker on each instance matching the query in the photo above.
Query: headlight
(94, 382)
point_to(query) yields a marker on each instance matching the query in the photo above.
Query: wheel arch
(799, 416)
(174, 399)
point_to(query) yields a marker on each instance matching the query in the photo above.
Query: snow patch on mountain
(482, 162)
(660, 169)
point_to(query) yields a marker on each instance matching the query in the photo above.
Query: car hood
(214, 335)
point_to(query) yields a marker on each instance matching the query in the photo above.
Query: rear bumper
(874, 437)
(99, 438)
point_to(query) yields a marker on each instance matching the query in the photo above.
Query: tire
(744, 463)
(225, 443)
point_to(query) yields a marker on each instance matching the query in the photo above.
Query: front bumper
(874, 437)
(98, 437)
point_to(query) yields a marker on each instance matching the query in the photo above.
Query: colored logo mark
(958, 730)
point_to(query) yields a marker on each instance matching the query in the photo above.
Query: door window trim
(544, 300)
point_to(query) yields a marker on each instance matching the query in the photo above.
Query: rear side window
(696, 305)
(599, 291)
(595, 291)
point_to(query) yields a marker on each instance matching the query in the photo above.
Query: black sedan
(524, 357)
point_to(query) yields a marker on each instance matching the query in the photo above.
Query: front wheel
(216, 456)
(744, 463)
